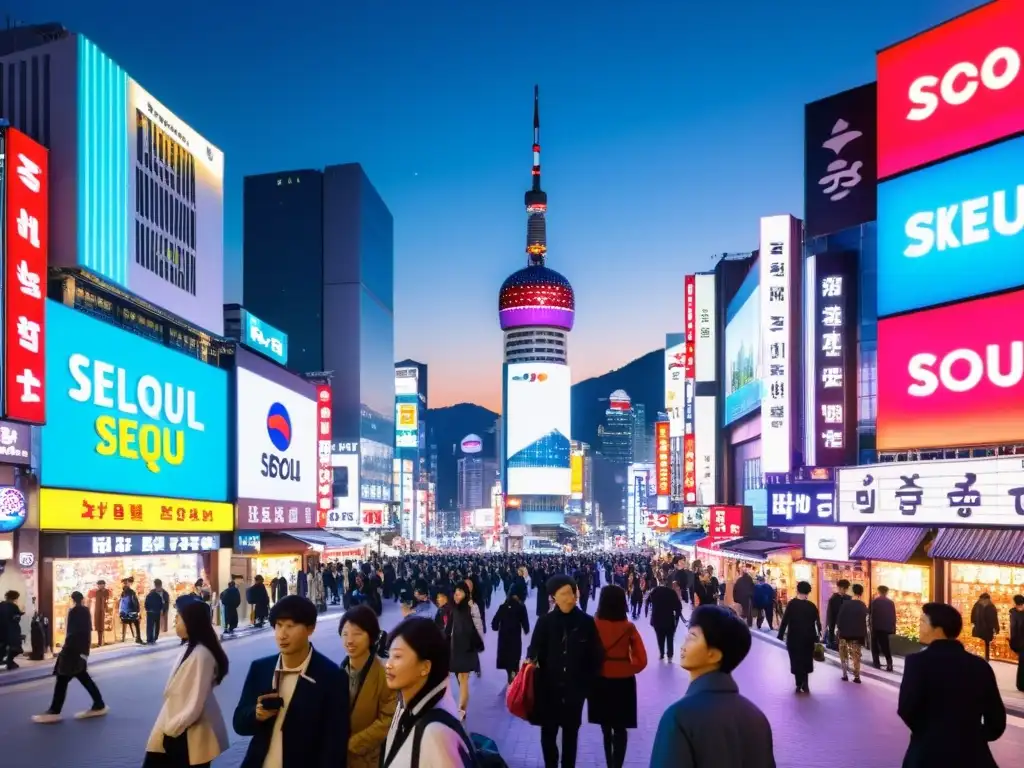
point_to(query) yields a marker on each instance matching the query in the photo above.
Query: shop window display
(909, 588)
(966, 583)
(177, 572)
(273, 566)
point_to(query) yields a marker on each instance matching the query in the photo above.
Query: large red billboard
(26, 235)
(952, 88)
(952, 376)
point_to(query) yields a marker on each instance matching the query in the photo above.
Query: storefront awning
(323, 539)
(1002, 546)
(685, 538)
(756, 547)
(889, 543)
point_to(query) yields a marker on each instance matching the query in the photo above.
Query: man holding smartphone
(294, 705)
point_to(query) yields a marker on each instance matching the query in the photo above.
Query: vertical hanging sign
(835, 317)
(325, 469)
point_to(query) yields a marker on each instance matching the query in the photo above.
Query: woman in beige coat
(371, 702)
(189, 731)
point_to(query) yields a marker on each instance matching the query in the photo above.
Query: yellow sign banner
(61, 510)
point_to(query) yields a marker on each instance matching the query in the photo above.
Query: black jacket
(511, 622)
(569, 655)
(10, 624)
(950, 701)
(666, 608)
(743, 591)
(71, 660)
(852, 621)
(1017, 631)
(835, 603)
(985, 620)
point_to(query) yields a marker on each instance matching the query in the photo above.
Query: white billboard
(407, 381)
(705, 349)
(706, 448)
(176, 247)
(537, 429)
(779, 239)
(483, 518)
(640, 479)
(276, 440)
(675, 366)
(345, 512)
(827, 542)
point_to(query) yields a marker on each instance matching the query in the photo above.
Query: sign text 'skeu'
(125, 431)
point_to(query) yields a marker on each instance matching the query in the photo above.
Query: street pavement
(839, 724)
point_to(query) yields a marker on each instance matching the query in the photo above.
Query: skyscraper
(319, 265)
(536, 307)
(618, 429)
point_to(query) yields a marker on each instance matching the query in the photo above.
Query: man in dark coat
(801, 628)
(852, 630)
(511, 622)
(713, 726)
(230, 598)
(666, 612)
(1017, 637)
(10, 629)
(949, 698)
(154, 605)
(568, 653)
(985, 621)
(882, 614)
(583, 582)
(835, 603)
(743, 595)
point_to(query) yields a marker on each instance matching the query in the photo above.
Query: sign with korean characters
(705, 353)
(780, 283)
(81, 545)
(267, 515)
(728, 522)
(663, 458)
(61, 510)
(26, 243)
(689, 469)
(792, 504)
(325, 470)
(835, 359)
(962, 492)
(690, 327)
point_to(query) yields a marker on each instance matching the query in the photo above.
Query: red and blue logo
(279, 426)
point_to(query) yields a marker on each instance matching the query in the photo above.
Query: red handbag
(519, 698)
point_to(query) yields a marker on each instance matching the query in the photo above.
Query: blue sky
(668, 128)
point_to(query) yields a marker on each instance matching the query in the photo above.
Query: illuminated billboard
(675, 366)
(952, 88)
(662, 459)
(952, 376)
(936, 225)
(150, 196)
(576, 485)
(407, 421)
(705, 435)
(537, 426)
(705, 353)
(743, 350)
(264, 338)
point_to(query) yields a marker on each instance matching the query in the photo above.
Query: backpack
(437, 715)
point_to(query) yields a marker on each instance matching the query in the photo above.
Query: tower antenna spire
(536, 199)
(536, 137)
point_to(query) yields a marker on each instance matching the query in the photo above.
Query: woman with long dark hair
(426, 731)
(613, 696)
(465, 630)
(371, 703)
(190, 730)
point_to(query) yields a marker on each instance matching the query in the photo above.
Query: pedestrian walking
(666, 613)
(764, 601)
(371, 702)
(100, 596)
(613, 702)
(852, 629)
(985, 621)
(292, 724)
(882, 616)
(128, 611)
(743, 595)
(72, 663)
(1017, 637)
(583, 583)
(10, 629)
(567, 650)
(426, 731)
(801, 628)
(190, 729)
(832, 608)
(256, 596)
(713, 726)
(511, 622)
(466, 634)
(230, 600)
(154, 605)
(949, 698)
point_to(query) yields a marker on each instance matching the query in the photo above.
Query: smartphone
(272, 702)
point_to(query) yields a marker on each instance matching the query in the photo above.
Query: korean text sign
(690, 310)
(141, 544)
(840, 170)
(801, 504)
(705, 354)
(952, 376)
(974, 492)
(266, 515)
(728, 522)
(937, 225)
(952, 88)
(835, 358)
(663, 458)
(325, 470)
(136, 416)
(61, 510)
(264, 338)
(26, 237)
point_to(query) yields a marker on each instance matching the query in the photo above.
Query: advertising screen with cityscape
(538, 423)
(743, 350)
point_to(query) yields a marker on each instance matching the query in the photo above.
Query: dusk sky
(668, 128)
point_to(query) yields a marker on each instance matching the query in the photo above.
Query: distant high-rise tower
(617, 433)
(536, 307)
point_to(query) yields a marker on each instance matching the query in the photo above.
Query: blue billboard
(126, 415)
(952, 231)
(743, 350)
(795, 504)
(264, 338)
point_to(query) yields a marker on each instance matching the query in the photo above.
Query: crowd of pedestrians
(400, 700)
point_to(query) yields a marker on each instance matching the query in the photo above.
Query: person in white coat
(426, 731)
(189, 731)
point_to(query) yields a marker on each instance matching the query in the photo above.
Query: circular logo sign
(279, 426)
(12, 509)
(26, 559)
(472, 444)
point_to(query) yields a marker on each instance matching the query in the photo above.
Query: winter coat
(985, 620)
(623, 647)
(466, 637)
(189, 707)
(99, 608)
(883, 615)
(439, 745)
(803, 623)
(743, 592)
(764, 595)
(712, 725)
(154, 602)
(372, 712)
(568, 653)
(1017, 631)
(852, 621)
(540, 579)
(832, 608)
(72, 659)
(511, 622)
(666, 608)
(231, 599)
(10, 624)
